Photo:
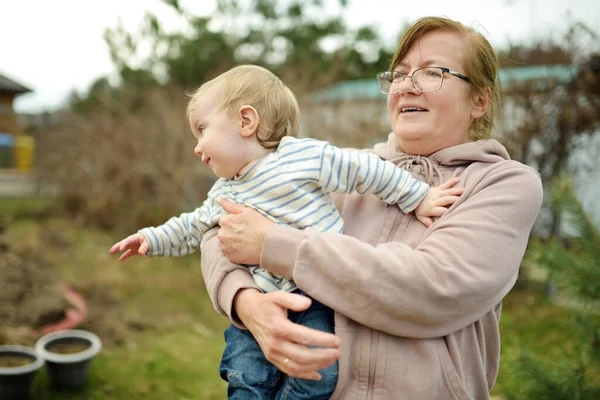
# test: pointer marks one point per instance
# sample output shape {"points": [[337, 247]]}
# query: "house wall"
{"points": [[351, 123], [8, 119]]}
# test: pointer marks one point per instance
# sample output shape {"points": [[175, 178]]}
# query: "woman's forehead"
{"points": [[435, 48]]}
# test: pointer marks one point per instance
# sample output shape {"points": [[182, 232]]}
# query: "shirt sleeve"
{"points": [[182, 235], [345, 171]]}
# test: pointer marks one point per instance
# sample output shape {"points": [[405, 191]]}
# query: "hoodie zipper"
{"points": [[374, 333], [373, 363]]}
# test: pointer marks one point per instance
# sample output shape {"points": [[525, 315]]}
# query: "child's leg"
{"points": [[318, 317], [245, 368]]}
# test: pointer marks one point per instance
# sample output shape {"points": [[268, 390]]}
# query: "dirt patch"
{"points": [[107, 317], [32, 297]]}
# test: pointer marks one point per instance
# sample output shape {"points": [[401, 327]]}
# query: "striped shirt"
{"points": [[291, 186]]}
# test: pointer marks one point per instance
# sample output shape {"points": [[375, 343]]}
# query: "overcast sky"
{"points": [[55, 46]]}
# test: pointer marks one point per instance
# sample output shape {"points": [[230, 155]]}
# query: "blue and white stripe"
{"points": [[291, 186]]}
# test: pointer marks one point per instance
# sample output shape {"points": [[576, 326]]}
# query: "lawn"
{"points": [[175, 350]]}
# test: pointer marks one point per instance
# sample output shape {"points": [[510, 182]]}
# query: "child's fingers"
{"points": [[449, 183], [144, 248], [427, 221], [115, 248], [452, 192], [446, 201], [129, 242], [436, 212], [126, 255]]}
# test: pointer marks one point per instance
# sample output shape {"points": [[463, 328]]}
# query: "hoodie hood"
{"points": [[487, 151]]}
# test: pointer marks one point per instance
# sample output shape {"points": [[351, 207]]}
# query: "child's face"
{"points": [[220, 143]]}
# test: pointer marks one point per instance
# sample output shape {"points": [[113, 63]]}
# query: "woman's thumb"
{"points": [[231, 207]]}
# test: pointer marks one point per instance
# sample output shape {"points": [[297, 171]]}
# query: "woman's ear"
{"points": [[249, 120], [481, 102]]}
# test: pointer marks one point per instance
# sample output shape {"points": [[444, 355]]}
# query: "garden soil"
{"points": [[32, 297]]}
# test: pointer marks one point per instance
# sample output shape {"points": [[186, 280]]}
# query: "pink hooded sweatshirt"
{"points": [[416, 308]]}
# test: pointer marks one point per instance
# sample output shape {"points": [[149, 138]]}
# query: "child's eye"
{"points": [[200, 130]]}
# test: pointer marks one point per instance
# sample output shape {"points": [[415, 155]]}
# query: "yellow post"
{"points": [[24, 153]]}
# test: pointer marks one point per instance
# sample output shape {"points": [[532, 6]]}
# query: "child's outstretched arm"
{"points": [[437, 200], [133, 244]]}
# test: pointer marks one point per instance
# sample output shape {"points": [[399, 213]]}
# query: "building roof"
{"points": [[12, 87], [368, 89]]}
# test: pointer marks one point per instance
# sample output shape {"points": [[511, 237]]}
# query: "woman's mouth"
{"points": [[405, 110]]}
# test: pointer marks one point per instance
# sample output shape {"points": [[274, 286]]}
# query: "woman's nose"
{"points": [[407, 86]]}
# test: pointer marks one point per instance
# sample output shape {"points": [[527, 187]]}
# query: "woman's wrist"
{"points": [[241, 301], [279, 250]]}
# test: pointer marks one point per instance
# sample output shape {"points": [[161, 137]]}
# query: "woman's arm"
{"points": [[462, 268], [233, 292], [222, 277]]}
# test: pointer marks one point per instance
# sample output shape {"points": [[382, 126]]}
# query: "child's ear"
{"points": [[249, 120]]}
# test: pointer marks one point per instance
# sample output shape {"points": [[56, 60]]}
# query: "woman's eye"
{"points": [[399, 76], [434, 73]]}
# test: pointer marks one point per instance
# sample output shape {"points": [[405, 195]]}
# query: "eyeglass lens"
{"points": [[424, 80]]}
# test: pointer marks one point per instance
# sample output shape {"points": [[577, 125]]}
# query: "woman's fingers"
{"points": [[231, 207], [311, 337], [304, 363], [294, 357], [298, 333], [297, 350]]}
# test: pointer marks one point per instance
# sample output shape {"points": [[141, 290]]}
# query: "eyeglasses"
{"points": [[425, 80]]}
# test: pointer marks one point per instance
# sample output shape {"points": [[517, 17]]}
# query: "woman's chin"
{"points": [[409, 135]]}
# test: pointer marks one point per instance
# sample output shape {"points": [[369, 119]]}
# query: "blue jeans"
{"points": [[251, 376]]}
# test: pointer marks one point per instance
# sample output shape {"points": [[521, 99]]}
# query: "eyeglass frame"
{"points": [[404, 76]]}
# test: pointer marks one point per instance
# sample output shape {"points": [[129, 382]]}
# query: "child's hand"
{"points": [[437, 201], [134, 244]]}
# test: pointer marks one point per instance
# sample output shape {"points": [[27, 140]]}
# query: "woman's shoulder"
{"points": [[503, 176]]}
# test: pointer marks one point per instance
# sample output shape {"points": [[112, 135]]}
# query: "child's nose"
{"points": [[198, 149]]}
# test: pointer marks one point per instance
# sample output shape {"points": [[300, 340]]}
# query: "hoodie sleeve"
{"points": [[223, 278], [462, 268]]}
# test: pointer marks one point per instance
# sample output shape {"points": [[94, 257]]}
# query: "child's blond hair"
{"points": [[260, 88]]}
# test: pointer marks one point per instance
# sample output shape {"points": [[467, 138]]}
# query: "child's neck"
{"points": [[253, 157]]}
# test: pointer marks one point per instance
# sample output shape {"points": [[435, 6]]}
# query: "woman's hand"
{"points": [[284, 343], [242, 233]]}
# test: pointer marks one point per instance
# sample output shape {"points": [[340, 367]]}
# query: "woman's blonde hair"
{"points": [[479, 61], [260, 88]]}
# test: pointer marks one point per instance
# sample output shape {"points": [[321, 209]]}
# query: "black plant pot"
{"points": [[68, 371], [15, 382]]}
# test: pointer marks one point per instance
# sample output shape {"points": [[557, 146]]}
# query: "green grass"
{"points": [[17, 208], [177, 355], [529, 321]]}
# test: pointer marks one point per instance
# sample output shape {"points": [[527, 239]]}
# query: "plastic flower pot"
{"points": [[18, 365], [68, 355]]}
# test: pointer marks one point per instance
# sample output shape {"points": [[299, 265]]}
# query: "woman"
{"points": [[416, 308]]}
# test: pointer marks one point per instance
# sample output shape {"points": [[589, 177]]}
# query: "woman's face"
{"points": [[435, 120]]}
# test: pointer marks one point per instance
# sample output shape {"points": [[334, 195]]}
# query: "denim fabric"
{"points": [[251, 376]]}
